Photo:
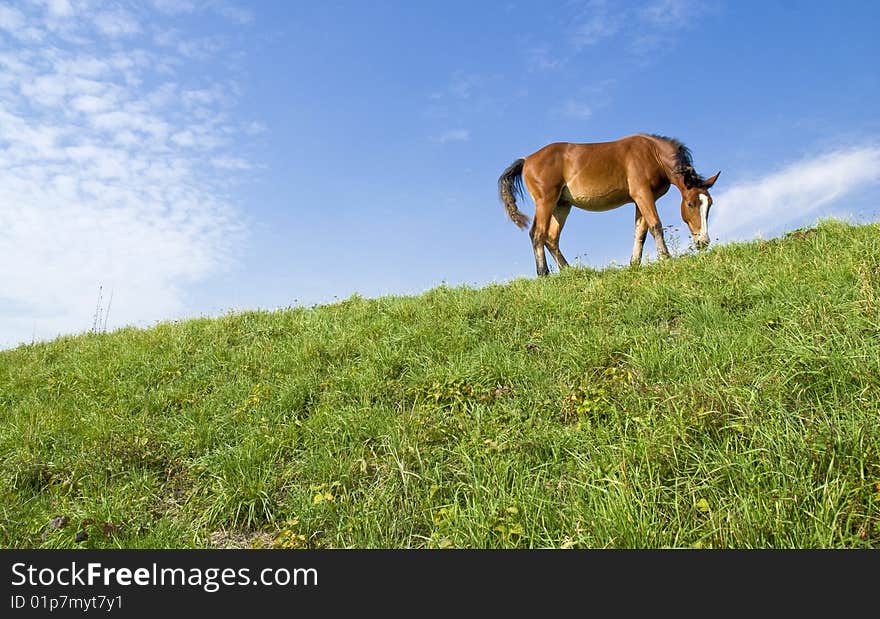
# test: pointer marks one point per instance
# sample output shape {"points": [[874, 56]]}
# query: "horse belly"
{"points": [[592, 200]]}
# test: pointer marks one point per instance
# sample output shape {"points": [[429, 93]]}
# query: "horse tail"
{"points": [[510, 185]]}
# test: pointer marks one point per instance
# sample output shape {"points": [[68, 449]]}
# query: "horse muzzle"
{"points": [[701, 240]]}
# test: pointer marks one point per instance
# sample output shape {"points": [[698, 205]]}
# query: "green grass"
{"points": [[727, 399]]}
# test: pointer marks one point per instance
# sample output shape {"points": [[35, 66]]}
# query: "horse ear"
{"points": [[711, 181]]}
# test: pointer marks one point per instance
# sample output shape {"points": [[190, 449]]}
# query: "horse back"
{"points": [[594, 176]]}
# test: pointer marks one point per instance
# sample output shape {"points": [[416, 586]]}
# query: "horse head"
{"points": [[695, 205]]}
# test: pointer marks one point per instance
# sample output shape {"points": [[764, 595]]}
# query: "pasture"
{"points": [[726, 399]]}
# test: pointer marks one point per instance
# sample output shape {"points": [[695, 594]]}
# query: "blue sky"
{"points": [[191, 157]]}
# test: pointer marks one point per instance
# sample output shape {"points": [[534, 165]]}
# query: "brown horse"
{"points": [[603, 176]]}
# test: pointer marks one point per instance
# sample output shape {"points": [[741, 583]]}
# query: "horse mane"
{"points": [[684, 162]]}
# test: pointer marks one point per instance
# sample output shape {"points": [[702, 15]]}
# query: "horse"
{"points": [[602, 176]]}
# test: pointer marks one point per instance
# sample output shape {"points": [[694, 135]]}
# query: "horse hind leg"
{"points": [[539, 233], [560, 214]]}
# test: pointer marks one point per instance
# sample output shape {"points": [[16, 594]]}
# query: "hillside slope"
{"points": [[728, 399]]}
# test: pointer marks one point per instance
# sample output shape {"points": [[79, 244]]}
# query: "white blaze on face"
{"points": [[704, 217]]}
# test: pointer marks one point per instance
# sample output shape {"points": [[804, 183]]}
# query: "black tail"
{"points": [[510, 185]]}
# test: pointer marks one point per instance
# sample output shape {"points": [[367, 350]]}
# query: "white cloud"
{"points": [[665, 13], [175, 7], [96, 189], [89, 104], [236, 14], [454, 135], [593, 22], [767, 205], [228, 11], [575, 109], [542, 59], [199, 48], [254, 128], [595, 30], [11, 19], [203, 96], [117, 24], [462, 84], [464, 94], [639, 30], [231, 163], [59, 8]]}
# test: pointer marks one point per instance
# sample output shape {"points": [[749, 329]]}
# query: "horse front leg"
{"points": [[648, 208], [641, 231]]}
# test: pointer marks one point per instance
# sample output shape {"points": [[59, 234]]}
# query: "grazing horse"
{"points": [[603, 176]]}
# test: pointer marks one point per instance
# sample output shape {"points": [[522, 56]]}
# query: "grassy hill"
{"points": [[729, 399]]}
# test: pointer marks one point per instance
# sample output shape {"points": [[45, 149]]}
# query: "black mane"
{"points": [[684, 163]]}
